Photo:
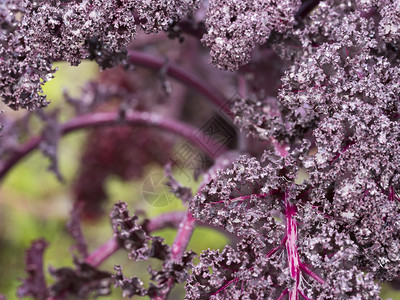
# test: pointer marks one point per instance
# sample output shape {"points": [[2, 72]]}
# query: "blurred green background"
{"points": [[34, 204]]}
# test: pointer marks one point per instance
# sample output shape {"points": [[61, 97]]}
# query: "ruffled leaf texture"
{"points": [[142, 246], [34, 34], [235, 27], [347, 238]]}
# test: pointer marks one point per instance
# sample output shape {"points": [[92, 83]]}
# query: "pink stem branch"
{"points": [[291, 248], [101, 119], [225, 286], [306, 270], [284, 293], [171, 220], [183, 236], [273, 250], [303, 295]]}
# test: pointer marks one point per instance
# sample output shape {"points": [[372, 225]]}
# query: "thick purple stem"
{"points": [[103, 252], [187, 78], [183, 236], [101, 119], [171, 219]]}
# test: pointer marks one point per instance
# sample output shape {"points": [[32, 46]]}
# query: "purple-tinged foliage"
{"points": [[120, 151], [35, 283], [238, 272], [11, 133], [156, 15], [76, 30], [134, 238], [85, 280], [81, 282], [129, 286], [51, 135], [234, 28], [252, 205], [75, 230], [34, 34], [23, 70], [172, 269], [176, 270], [181, 192], [314, 207]]}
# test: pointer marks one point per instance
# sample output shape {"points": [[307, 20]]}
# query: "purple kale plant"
{"points": [[300, 168]]}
